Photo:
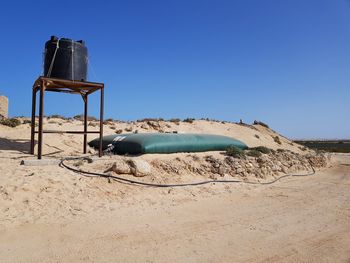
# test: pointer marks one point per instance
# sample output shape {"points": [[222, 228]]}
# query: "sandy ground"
{"points": [[49, 214], [296, 220]]}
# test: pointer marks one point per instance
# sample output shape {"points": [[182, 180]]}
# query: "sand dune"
{"points": [[50, 214]]}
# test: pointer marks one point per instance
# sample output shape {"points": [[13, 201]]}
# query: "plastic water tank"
{"points": [[65, 58]]}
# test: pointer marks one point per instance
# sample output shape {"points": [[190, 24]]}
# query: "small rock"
{"points": [[284, 169], [275, 168], [144, 126], [119, 131], [128, 129], [262, 159], [223, 171], [139, 168], [216, 165], [239, 170], [154, 125], [120, 167]]}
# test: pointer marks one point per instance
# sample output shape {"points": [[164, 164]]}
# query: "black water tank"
{"points": [[65, 59]]}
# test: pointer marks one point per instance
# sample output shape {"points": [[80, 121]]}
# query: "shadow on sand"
{"points": [[20, 145]]}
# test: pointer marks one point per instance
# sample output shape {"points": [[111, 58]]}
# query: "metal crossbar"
{"points": [[43, 84]]}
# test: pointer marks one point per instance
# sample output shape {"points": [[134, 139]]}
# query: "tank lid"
{"points": [[71, 40]]}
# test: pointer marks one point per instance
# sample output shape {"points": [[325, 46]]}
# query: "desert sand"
{"points": [[50, 214]]}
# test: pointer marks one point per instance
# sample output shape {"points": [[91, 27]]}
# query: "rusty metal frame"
{"points": [[43, 84]]}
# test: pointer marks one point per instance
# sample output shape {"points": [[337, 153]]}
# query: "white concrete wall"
{"points": [[4, 106]]}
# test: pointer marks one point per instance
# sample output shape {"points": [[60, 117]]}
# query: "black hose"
{"points": [[134, 182]]}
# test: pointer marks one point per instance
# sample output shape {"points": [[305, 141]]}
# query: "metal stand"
{"points": [[43, 84]]}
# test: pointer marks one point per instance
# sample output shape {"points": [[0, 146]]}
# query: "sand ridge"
{"points": [[50, 214]]}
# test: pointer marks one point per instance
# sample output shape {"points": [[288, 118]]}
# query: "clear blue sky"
{"points": [[286, 63]]}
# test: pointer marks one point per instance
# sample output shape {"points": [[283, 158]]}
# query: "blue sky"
{"points": [[286, 63]]}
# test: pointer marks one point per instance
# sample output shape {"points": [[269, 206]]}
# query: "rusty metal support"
{"points": [[43, 84], [101, 120], [41, 116], [85, 98], [32, 135]]}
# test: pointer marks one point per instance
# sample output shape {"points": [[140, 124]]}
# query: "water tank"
{"points": [[65, 58]]}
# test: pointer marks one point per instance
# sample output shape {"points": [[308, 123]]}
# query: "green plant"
{"points": [[260, 123], [189, 120], [175, 120], [150, 119], [12, 122], [254, 153], [303, 148], [277, 139], [57, 116], [235, 152], [81, 117], [261, 149], [27, 121]]}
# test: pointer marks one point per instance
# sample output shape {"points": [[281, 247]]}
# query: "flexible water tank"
{"points": [[65, 58]]}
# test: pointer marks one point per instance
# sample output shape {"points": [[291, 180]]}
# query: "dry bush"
{"points": [[12, 122], [260, 123], [277, 139], [189, 120]]}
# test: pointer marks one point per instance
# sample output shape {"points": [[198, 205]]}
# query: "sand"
{"points": [[49, 214]]}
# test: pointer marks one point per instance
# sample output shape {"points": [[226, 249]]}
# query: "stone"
{"points": [[118, 131], [144, 126], [128, 129], [120, 167], [139, 168], [223, 171], [230, 160], [263, 159], [154, 125], [216, 165], [4, 107], [284, 169], [239, 170], [275, 168]]}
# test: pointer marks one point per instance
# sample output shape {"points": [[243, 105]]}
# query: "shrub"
{"points": [[235, 152], [257, 136], [175, 120], [57, 116], [260, 123], [303, 148], [261, 149], [93, 124], [12, 122], [81, 118], [27, 121], [254, 153], [189, 120], [277, 139], [150, 119], [52, 122]]}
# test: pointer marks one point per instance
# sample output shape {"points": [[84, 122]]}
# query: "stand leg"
{"points": [[101, 121], [41, 116], [85, 98], [32, 134]]}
